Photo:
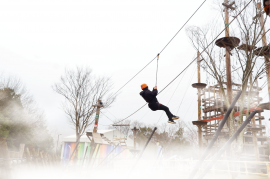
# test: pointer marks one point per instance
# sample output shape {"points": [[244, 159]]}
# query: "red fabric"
{"points": [[235, 114]]}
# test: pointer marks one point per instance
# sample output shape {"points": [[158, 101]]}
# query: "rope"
{"points": [[157, 68], [175, 91], [191, 61], [106, 116], [111, 113], [185, 92], [163, 48]]}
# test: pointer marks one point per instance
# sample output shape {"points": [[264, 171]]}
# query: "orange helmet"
{"points": [[143, 86]]}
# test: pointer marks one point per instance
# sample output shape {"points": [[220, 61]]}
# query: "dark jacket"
{"points": [[150, 97]]}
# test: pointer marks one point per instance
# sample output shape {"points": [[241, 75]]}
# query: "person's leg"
{"points": [[167, 110], [153, 106]]}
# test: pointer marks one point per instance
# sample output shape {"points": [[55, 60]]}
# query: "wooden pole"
{"points": [[264, 43], [134, 134], [228, 61], [99, 105], [199, 105], [92, 144], [255, 142]]}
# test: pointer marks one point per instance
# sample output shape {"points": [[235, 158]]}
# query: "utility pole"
{"points": [[134, 134], [264, 43], [92, 144], [199, 103], [99, 105]]}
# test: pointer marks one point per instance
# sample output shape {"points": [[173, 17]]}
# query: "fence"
{"points": [[25, 158]]}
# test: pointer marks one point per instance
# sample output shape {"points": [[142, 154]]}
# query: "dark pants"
{"points": [[158, 106]]}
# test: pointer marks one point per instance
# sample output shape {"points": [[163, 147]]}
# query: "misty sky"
{"points": [[115, 38]]}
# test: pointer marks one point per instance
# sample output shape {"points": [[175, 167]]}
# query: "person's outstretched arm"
{"points": [[155, 91]]}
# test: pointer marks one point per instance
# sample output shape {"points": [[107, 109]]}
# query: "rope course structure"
{"points": [[235, 17]]}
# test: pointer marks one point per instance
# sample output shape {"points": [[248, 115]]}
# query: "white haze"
{"points": [[147, 167]]}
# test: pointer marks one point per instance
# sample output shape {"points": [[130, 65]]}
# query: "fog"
{"points": [[149, 166]]}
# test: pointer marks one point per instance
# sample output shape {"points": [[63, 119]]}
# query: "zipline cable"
{"points": [[163, 47], [157, 68], [111, 113], [191, 61], [106, 116], [175, 91], [185, 93]]}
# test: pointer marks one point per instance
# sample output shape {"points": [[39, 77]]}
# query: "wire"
{"points": [[175, 91], [180, 82], [157, 68], [189, 107], [110, 113], [190, 62], [163, 47], [106, 116], [185, 93], [182, 26]]}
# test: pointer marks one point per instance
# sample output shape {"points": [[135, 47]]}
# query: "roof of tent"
{"points": [[72, 138]]}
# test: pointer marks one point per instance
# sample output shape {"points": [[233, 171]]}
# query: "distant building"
{"points": [[110, 139]]}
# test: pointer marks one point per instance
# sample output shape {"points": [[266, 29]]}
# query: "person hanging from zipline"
{"points": [[153, 104]]}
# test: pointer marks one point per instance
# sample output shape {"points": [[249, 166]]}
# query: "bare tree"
{"points": [[246, 68], [81, 90]]}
